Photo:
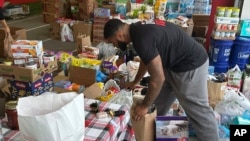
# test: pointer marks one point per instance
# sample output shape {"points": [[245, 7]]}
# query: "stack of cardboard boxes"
{"points": [[53, 9], [201, 23], [86, 9], [16, 33]]}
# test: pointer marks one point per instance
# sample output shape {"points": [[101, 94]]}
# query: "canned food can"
{"points": [[220, 11], [232, 34], [217, 34], [31, 65], [48, 58], [234, 27], [222, 34], [235, 12], [228, 12], [227, 34]]}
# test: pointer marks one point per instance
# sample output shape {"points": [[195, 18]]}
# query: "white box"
{"points": [[13, 11], [23, 48], [226, 20]]}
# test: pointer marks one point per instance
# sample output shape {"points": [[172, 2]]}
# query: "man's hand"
{"points": [[7, 30], [139, 112], [130, 85]]}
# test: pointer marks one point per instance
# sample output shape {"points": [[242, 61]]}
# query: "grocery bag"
{"points": [[51, 117], [216, 91], [83, 41], [7, 45], [145, 128]]}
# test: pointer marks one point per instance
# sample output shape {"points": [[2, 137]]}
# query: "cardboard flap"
{"points": [[82, 76], [93, 91]]}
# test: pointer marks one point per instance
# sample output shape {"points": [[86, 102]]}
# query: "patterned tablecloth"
{"points": [[106, 129]]}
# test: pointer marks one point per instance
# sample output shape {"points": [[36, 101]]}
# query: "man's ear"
{"points": [[119, 35]]}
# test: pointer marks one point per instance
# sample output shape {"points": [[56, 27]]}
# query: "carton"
{"points": [[200, 31], [51, 17], [244, 28], [201, 20], [81, 76], [21, 88], [82, 28], [54, 7], [17, 33], [19, 50], [26, 74], [189, 29], [226, 20]]}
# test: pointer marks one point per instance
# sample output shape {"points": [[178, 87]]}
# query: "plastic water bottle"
{"points": [[1, 131]]}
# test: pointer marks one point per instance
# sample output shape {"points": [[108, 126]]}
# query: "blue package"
{"points": [[62, 84], [241, 121], [224, 132], [246, 115]]}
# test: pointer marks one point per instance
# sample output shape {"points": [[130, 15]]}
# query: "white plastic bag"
{"points": [[51, 117], [124, 97], [234, 103], [66, 33], [106, 50]]}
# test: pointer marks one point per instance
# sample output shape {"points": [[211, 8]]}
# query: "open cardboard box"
{"points": [[189, 29], [81, 76], [26, 74]]}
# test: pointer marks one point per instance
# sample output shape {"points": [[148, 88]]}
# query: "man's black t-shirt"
{"points": [[179, 52]]}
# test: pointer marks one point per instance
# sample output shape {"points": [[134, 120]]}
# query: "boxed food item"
{"points": [[21, 88], [227, 20], [244, 28], [172, 128], [21, 48]]}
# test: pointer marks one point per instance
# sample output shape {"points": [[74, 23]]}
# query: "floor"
{"points": [[36, 29]]}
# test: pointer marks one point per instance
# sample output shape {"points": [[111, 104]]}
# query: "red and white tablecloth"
{"points": [[106, 129]]}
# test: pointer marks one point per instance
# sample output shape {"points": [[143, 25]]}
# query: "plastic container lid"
{"points": [[11, 105], [242, 39]]}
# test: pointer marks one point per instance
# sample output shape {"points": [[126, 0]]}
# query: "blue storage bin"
{"points": [[220, 50], [240, 52]]}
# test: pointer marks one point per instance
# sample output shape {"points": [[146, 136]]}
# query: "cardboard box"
{"points": [[87, 79], [244, 28], [201, 20], [55, 30], [21, 88], [54, 7], [51, 17], [200, 31], [81, 28], [26, 74], [172, 128], [102, 12], [88, 76], [189, 29], [33, 48], [15, 10], [110, 7], [16, 33]]}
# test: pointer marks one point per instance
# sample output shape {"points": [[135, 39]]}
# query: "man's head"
{"points": [[117, 32]]}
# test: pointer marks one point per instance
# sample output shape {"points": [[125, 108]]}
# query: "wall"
{"points": [[245, 10]]}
